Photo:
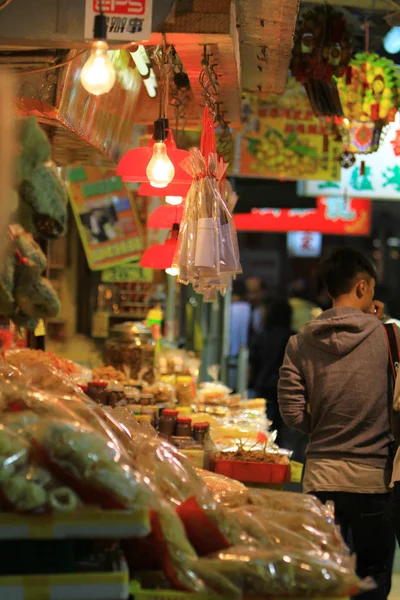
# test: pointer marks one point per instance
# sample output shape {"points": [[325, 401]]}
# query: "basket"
{"points": [[253, 472]]}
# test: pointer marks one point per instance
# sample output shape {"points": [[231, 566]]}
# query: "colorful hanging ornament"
{"points": [[347, 159], [322, 49], [369, 102], [396, 143]]}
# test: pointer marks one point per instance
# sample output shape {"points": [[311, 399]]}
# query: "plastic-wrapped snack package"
{"points": [[287, 501], [319, 531], [207, 524], [76, 446], [229, 492], [279, 573], [90, 463], [270, 533], [24, 486], [165, 548]]}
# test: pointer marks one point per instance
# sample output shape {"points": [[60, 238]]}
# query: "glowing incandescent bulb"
{"points": [[98, 73], [174, 200], [160, 170], [173, 271]]}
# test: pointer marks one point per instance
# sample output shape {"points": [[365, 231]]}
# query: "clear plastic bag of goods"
{"points": [[207, 254], [269, 533], [281, 572], [166, 548], [73, 444], [207, 524], [320, 530], [18, 358], [227, 491]]}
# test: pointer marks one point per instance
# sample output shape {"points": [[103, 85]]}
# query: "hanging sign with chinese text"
{"points": [[285, 143], [334, 216], [127, 20], [107, 222], [375, 176]]}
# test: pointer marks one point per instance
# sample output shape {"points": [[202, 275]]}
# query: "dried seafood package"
{"points": [[207, 254], [69, 456]]}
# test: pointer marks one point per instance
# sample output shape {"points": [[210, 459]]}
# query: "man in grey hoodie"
{"points": [[334, 388]]}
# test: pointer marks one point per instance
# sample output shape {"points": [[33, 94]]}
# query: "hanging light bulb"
{"points": [[174, 200], [98, 73], [173, 271], [160, 170]]}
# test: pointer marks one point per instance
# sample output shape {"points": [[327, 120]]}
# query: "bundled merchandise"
{"points": [[60, 452], [207, 254], [40, 210]]}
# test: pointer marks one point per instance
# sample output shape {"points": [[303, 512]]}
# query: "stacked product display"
{"points": [[71, 468]]}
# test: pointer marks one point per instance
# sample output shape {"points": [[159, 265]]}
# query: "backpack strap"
{"points": [[393, 348]]}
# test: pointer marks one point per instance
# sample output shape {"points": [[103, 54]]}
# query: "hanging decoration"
{"points": [[180, 95], [370, 101], [322, 50], [207, 253]]}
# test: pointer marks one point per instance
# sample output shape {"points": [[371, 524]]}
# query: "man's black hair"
{"points": [[341, 271], [239, 288]]}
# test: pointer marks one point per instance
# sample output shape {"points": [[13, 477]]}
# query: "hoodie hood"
{"points": [[339, 330]]}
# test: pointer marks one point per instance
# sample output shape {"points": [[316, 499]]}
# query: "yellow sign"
{"points": [[109, 227], [128, 273], [296, 471], [286, 143]]}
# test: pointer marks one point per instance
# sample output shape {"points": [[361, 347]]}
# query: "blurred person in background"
{"points": [[266, 356], [239, 328], [256, 294], [304, 309]]}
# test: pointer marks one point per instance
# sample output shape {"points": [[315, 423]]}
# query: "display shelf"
{"points": [[88, 524], [138, 593], [74, 586]]}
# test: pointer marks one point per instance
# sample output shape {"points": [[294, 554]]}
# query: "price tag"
{"points": [[296, 471], [40, 329]]}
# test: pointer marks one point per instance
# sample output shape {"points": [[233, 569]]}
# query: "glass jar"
{"points": [[184, 427], [130, 349], [200, 432], [167, 422]]}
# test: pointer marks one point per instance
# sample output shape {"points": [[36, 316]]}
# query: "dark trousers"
{"points": [[395, 509], [365, 525]]}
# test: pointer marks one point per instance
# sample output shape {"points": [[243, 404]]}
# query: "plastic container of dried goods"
{"points": [[130, 349]]}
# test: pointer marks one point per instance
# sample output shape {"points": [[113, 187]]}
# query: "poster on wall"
{"points": [[284, 141], [127, 20], [333, 216], [108, 225], [377, 178]]}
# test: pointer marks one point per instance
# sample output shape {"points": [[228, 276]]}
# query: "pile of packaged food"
{"points": [[60, 451]]}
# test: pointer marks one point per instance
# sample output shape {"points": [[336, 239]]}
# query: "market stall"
{"points": [[99, 485]]}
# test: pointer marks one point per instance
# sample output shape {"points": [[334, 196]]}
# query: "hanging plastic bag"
{"points": [[207, 254]]}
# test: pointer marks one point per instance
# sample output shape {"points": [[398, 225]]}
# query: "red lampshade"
{"points": [[165, 216], [172, 189], [132, 166], [160, 256]]}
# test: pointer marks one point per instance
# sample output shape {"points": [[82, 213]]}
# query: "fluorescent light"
{"points": [[141, 61]]}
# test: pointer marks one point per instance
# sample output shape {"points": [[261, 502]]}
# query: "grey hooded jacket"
{"points": [[334, 386]]}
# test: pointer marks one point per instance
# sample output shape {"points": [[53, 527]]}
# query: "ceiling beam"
{"points": [[379, 5]]}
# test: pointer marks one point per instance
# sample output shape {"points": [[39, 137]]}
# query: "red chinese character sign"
{"points": [[333, 216], [127, 20], [108, 224]]}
